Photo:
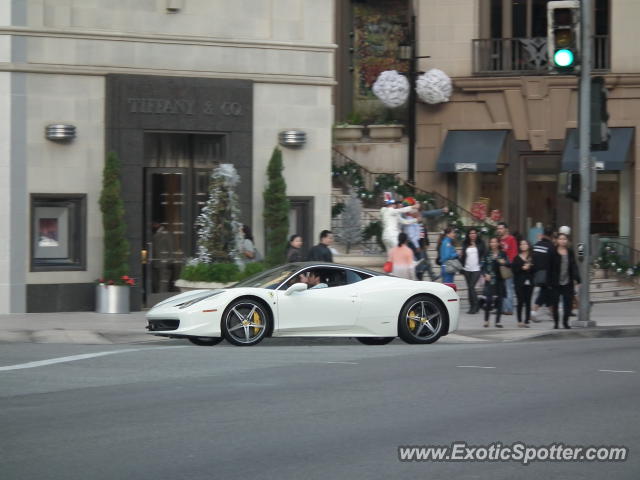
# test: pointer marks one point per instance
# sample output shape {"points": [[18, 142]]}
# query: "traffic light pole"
{"points": [[586, 170]]}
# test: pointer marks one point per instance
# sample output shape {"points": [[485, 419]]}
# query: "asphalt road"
{"points": [[311, 411]]}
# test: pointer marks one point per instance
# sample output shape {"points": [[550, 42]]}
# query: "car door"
{"points": [[317, 311]]}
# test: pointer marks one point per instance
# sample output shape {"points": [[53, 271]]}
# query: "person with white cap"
{"points": [[565, 229]]}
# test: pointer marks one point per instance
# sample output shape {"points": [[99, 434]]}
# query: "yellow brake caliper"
{"points": [[412, 322], [257, 321]]}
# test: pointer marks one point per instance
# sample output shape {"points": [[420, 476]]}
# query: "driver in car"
{"points": [[313, 280]]}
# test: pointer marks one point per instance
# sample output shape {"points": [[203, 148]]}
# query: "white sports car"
{"points": [[372, 307]]}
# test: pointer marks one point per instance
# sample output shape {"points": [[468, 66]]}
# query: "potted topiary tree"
{"points": [[276, 211], [114, 288]]}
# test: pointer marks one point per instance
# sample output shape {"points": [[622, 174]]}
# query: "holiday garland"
{"points": [[350, 174], [609, 259]]}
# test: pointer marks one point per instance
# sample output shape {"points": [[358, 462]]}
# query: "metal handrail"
{"points": [[434, 199], [629, 255]]}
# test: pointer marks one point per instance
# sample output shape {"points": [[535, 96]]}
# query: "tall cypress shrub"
{"points": [[276, 211], [116, 246]]}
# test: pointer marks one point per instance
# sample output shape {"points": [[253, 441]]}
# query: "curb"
{"points": [[597, 332]]}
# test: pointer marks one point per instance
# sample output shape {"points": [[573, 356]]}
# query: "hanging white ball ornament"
{"points": [[391, 88], [434, 87]]}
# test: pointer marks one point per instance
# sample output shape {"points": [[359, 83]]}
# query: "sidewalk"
{"points": [[612, 319]]}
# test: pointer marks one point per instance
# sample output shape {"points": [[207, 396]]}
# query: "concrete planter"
{"points": [[348, 133], [112, 298], [186, 286], [385, 132]]}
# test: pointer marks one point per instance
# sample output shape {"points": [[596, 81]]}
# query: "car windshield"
{"points": [[269, 279]]}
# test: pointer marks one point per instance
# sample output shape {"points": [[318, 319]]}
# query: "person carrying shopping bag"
{"points": [[448, 256], [494, 283]]}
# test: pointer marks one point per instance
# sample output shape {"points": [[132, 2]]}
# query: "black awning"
{"points": [[612, 159], [471, 151]]}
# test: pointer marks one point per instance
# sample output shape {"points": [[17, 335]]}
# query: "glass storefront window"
{"points": [[492, 188], [58, 232], [605, 205]]}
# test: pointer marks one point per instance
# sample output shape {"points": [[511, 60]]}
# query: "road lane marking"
{"points": [[618, 371], [472, 366], [345, 363], [74, 358]]}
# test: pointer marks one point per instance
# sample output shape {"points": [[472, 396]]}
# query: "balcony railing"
{"points": [[526, 56]]}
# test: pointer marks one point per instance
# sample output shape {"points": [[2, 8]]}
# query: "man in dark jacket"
{"points": [[322, 252], [543, 252]]}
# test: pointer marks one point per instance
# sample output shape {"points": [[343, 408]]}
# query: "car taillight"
{"points": [[452, 285]]}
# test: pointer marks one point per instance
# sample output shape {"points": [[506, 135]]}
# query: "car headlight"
{"points": [[196, 300]]}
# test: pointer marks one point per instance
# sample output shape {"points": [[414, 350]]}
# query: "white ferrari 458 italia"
{"points": [[344, 301]]}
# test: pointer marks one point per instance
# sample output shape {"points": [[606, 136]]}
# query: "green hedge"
{"points": [[220, 272]]}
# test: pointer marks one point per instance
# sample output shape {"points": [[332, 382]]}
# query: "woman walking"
{"points": [[294, 249], [473, 250], [248, 249], [523, 280], [564, 277], [447, 251], [401, 258], [494, 284]]}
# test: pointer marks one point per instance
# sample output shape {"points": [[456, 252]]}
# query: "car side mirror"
{"points": [[296, 287]]}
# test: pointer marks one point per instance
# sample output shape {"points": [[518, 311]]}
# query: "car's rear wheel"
{"points": [[245, 322], [421, 320], [375, 340], [205, 341]]}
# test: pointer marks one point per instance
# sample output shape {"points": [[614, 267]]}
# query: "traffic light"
{"points": [[599, 130], [563, 35]]}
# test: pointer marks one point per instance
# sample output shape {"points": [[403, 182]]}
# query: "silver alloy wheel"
{"points": [[424, 319], [246, 322]]}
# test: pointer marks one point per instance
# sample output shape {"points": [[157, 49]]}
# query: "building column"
{"points": [[14, 208], [467, 189]]}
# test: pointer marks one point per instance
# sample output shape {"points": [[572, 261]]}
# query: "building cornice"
{"points": [[163, 38], [102, 71], [488, 84]]}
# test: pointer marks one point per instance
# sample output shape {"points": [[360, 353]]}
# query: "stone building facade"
{"points": [[173, 87], [496, 55]]}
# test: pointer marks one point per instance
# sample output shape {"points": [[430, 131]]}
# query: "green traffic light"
{"points": [[563, 58]]}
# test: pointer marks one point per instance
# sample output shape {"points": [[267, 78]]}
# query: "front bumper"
{"points": [[168, 321]]}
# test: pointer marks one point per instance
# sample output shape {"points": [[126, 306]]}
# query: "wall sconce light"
{"points": [[174, 6], [60, 132], [292, 138]]}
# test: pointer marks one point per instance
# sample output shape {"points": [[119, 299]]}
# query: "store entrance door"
{"points": [[166, 213], [544, 204]]}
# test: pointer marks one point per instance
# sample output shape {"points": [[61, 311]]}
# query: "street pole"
{"points": [[411, 128], [586, 170]]}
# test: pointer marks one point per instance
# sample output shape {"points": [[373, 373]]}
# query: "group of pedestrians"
{"points": [[406, 238], [321, 252], [512, 268]]}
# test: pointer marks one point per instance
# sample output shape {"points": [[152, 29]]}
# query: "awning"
{"points": [[471, 151], [612, 159]]}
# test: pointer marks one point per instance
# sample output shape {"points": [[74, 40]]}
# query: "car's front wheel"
{"points": [[205, 341], [245, 322], [375, 340], [422, 320]]}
